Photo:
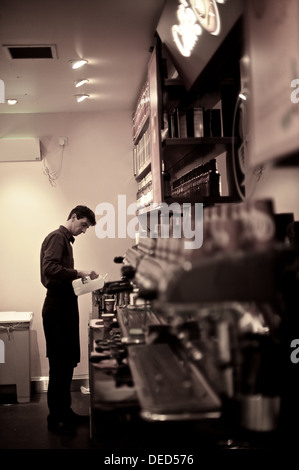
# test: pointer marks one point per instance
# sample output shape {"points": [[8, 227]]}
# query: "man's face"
{"points": [[79, 225]]}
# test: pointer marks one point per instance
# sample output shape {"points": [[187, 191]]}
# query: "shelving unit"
{"points": [[179, 154]]}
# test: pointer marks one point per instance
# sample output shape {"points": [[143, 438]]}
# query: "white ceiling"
{"points": [[113, 35]]}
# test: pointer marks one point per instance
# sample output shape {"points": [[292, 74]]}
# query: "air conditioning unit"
{"points": [[20, 149]]}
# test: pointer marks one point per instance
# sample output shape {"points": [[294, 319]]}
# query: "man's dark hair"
{"points": [[83, 211]]}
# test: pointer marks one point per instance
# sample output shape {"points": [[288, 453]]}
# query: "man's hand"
{"points": [[91, 274]]}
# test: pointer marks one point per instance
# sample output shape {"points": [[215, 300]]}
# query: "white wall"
{"points": [[97, 166]]}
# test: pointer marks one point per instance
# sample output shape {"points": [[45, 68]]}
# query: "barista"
{"points": [[61, 316]]}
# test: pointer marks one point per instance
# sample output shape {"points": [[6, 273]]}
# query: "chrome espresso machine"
{"points": [[203, 336]]}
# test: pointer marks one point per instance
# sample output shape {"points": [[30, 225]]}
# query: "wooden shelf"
{"points": [[180, 152], [206, 201], [173, 82], [212, 146]]}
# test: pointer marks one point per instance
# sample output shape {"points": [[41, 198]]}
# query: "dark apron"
{"points": [[61, 324]]}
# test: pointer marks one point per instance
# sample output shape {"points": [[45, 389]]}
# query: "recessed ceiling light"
{"points": [[76, 64], [81, 97], [11, 101], [80, 82]]}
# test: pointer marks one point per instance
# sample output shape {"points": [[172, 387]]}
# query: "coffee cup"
{"points": [[109, 305]]}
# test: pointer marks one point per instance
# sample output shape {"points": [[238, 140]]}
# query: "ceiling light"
{"points": [[11, 101], [76, 64], [80, 82], [81, 97]]}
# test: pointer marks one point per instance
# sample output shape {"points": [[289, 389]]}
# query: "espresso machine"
{"points": [[207, 332]]}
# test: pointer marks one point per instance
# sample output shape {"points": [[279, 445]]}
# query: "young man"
{"points": [[61, 316]]}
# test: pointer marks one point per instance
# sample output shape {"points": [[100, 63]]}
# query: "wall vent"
{"points": [[31, 51]]}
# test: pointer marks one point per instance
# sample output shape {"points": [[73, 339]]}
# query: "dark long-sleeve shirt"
{"points": [[56, 259]]}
